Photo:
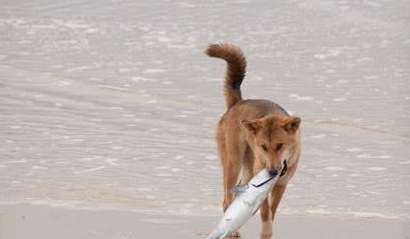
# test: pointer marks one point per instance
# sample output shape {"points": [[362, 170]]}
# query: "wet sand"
{"points": [[36, 221], [113, 105]]}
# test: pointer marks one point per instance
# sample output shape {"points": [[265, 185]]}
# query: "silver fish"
{"points": [[246, 203]]}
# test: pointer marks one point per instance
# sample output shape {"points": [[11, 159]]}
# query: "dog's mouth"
{"points": [[273, 172], [285, 168]]}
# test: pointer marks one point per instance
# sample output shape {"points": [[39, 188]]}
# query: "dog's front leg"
{"points": [[276, 195], [268, 210], [266, 218]]}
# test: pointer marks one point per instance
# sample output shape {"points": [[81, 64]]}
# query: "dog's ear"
{"points": [[252, 126], [292, 124]]}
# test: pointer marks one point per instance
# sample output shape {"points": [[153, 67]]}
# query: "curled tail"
{"points": [[235, 71]]}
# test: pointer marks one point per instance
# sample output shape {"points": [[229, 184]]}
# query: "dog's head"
{"points": [[271, 138]]}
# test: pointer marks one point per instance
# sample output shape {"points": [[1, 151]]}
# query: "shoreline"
{"points": [[44, 221]]}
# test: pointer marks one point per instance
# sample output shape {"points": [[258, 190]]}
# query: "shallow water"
{"points": [[113, 103]]}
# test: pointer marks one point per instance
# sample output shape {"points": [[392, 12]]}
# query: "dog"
{"points": [[251, 135]]}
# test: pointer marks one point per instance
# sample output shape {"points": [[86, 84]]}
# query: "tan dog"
{"points": [[253, 134]]}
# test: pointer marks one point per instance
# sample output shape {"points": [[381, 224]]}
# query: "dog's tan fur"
{"points": [[253, 134]]}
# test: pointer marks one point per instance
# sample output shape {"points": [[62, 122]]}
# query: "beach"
{"points": [[39, 221], [108, 113]]}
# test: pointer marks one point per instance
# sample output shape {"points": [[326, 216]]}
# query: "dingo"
{"points": [[253, 134]]}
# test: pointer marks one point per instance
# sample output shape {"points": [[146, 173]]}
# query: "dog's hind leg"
{"points": [[232, 165], [232, 153], [247, 166]]}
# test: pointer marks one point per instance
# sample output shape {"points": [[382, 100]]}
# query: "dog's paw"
{"points": [[266, 232], [234, 235], [267, 235]]}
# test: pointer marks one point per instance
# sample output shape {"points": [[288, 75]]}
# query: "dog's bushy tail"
{"points": [[235, 71]]}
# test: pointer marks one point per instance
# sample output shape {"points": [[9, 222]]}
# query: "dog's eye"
{"points": [[264, 147], [279, 147]]}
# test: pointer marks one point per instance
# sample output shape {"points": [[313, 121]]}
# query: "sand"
{"points": [[36, 221], [113, 105]]}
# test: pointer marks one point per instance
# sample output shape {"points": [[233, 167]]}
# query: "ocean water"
{"points": [[114, 104]]}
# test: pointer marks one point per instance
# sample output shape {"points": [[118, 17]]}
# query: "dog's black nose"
{"points": [[273, 172]]}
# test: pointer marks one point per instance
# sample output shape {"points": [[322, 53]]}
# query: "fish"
{"points": [[248, 200]]}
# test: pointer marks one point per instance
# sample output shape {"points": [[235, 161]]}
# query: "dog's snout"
{"points": [[273, 172]]}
